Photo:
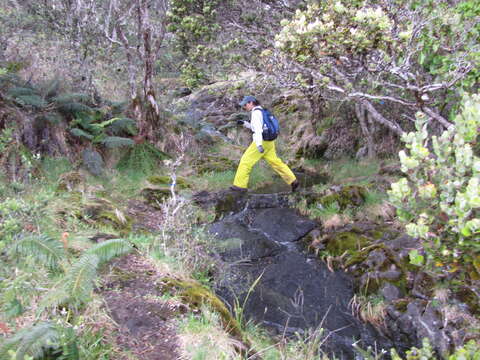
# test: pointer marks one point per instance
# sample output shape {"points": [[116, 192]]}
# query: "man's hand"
{"points": [[260, 149], [240, 122]]}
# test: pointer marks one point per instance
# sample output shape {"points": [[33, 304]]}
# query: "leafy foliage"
{"points": [[107, 250], [116, 141], [43, 249], [470, 351], [439, 199], [141, 159], [33, 341], [40, 341], [76, 287]]}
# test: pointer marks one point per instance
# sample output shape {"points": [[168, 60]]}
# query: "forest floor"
{"points": [[147, 320]]}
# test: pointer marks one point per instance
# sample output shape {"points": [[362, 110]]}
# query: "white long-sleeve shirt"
{"points": [[256, 125]]}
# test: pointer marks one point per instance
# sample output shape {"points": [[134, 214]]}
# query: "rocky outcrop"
{"points": [[275, 283]]}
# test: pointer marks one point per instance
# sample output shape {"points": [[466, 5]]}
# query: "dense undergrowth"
{"points": [[51, 266]]}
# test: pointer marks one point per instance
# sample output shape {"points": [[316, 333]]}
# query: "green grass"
{"points": [[202, 337], [350, 169], [52, 168]]}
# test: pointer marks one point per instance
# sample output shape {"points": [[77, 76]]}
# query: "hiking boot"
{"points": [[295, 185], [238, 189]]}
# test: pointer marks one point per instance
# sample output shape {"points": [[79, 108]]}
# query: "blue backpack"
{"points": [[270, 125]]}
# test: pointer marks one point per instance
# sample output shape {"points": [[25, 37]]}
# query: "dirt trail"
{"points": [[146, 322]]}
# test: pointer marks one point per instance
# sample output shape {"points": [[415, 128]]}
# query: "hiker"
{"points": [[259, 148]]}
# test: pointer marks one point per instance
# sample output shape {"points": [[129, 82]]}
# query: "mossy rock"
{"points": [[215, 164], [352, 195], [195, 294], [155, 195], [106, 213], [230, 202], [181, 182], [469, 297], [347, 241], [71, 181]]}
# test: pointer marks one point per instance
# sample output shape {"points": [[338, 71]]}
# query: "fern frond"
{"points": [[116, 141], [81, 133], [109, 249], [52, 118], [31, 100], [33, 341], [70, 98], [41, 248], [52, 89], [141, 158], [54, 299], [118, 107], [80, 278], [10, 79], [123, 125], [21, 91], [73, 108]]}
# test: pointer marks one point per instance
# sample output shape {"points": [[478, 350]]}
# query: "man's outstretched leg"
{"points": [[279, 166], [249, 158]]}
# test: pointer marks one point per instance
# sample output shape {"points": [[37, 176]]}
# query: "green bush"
{"points": [[439, 199]]}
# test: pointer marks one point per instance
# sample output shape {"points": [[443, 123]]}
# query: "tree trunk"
{"points": [[362, 116], [151, 115]]}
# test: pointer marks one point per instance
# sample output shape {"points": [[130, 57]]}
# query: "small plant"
{"points": [[469, 351], [439, 198], [76, 287]]}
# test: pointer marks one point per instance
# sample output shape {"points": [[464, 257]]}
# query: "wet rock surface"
{"points": [[276, 283]]}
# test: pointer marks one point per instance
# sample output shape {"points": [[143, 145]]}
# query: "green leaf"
{"points": [[415, 258], [116, 141], [33, 341], [109, 249], [81, 133]]}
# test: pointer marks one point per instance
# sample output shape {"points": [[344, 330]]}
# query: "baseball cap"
{"points": [[247, 99]]}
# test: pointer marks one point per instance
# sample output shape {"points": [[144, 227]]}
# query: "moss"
{"points": [[346, 241], [155, 195], [214, 164], [181, 182], [195, 294], [360, 256], [104, 212], [71, 181], [401, 305], [230, 202], [349, 195], [469, 297]]}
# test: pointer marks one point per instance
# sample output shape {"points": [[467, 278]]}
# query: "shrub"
{"points": [[439, 199]]}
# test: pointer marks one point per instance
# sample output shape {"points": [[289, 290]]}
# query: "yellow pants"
{"points": [[251, 156]]}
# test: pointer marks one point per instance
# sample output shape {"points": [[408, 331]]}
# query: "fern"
{"points": [[21, 91], [73, 108], [80, 278], [53, 118], [109, 249], [58, 297], [41, 248], [70, 98], [141, 158], [33, 341], [77, 285], [118, 107], [123, 125], [116, 141], [31, 100], [10, 79], [81, 133], [51, 89]]}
